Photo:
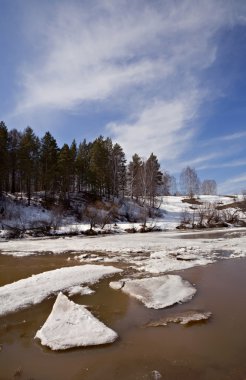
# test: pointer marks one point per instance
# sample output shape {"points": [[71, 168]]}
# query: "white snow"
{"points": [[155, 252], [170, 206], [32, 290], [159, 292], [72, 325], [116, 243], [19, 215]]}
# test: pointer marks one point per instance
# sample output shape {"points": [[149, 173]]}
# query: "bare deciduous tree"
{"points": [[189, 181], [209, 187]]}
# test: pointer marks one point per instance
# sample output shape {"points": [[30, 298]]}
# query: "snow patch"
{"points": [[72, 325]]}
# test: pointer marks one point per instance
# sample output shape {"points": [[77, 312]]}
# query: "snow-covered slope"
{"points": [[20, 216]]}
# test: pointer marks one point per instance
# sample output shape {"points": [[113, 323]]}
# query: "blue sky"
{"points": [[157, 76]]}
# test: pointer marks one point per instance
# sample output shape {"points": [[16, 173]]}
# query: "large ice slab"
{"points": [[32, 290], [72, 325], [158, 292]]}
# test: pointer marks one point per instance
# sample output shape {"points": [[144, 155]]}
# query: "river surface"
{"points": [[213, 350]]}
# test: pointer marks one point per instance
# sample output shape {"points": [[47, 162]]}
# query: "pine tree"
{"points": [[153, 178], [64, 170], [73, 173], [134, 177], [83, 166], [118, 163], [14, 138], [100, 166], [48, 164], [29, 161], [3, 156]]}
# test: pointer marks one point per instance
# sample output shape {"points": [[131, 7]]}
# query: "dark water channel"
{"points": [[214, 350]]}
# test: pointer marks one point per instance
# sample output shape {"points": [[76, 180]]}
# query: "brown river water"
{"points": [[212, 350]]}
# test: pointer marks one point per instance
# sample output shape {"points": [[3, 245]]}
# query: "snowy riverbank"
{"points": [[139, 257]]}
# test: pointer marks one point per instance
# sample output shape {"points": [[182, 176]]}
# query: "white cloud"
{"points": [[147, 54], [234, 136], [53, 92], [90, 52], [159, 128]]}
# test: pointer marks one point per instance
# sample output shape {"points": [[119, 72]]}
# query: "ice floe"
{"points": [[184, 318], [117, 285], [163, 263], [72, 325], [157, 292], [34, 289], [128, 244]]}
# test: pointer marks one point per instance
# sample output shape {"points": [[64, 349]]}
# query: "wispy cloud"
{"points": [[228, 164], [148, 55], [199, 162], [232, 185], [158, 128], [226, 138], [233, 136], [89, 52]]}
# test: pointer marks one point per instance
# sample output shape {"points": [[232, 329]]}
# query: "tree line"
{"points": [[29, 164]]}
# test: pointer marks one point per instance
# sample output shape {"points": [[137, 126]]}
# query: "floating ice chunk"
{"points": [[156, 375], [72, 325], [187, 256], [183, 318], [82, 290], [35, 289], [116, 285], [168, 264], [160, 292]]}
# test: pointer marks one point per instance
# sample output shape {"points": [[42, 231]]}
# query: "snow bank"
{"points": [[72, 325], [158, 292], [35, 289]]}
